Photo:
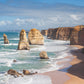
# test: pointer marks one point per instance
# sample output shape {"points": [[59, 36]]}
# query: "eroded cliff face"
{"points": [[6, 41], [50, 33], [77, 35], [23, 43], [81, 37], [35, 37], [60, 33], [74, 34], [44, 32]]}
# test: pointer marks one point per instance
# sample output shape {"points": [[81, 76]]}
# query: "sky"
{"points": [[40, 14]]}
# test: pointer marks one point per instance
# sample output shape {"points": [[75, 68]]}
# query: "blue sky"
{"points": [[40, 14]]}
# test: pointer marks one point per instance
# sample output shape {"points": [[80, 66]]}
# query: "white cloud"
{"points": [[2, 23], [75, 17]]}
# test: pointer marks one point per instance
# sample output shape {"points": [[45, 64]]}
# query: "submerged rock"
{"points": [[35, 37], [23, 43], [14, 61], [6, 41], [14, 73], [26, 72], [43, 55]]}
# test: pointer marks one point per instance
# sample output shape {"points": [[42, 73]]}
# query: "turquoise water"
{"points": [[25, 59], [30, 60]]}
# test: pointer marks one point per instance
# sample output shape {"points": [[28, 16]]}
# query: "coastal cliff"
{"points": [[74, 34], [35, 37], [63, 33], [44, 32], [77, 36]]}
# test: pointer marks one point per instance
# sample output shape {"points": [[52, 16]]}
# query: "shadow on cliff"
{"points": [[78, 68]]}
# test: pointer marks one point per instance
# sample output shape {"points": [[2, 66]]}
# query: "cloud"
{"points": [[75, 17], [43, 22], [3, 23]]}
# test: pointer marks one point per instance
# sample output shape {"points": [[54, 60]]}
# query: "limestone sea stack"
{"points": [[23, 43], [35, 37], [43, 55], [6, 41]]}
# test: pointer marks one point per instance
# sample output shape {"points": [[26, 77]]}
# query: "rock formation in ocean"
{"points": [[23, 43], [6, 41], [77, 35], [43, 55], [44, 32], [14, 73], [35, 37], [26, 72]]}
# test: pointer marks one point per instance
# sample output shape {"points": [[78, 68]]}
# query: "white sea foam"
{"points": [[36, 79], [14, 39], [10, 44]]}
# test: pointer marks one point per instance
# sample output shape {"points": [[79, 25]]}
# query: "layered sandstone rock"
{"points": [[50, 33], [81, 37], [60, 33], [44, 32], [64, 33], [23, 43], [77, 35], [35, 37], [6, 41], [43, 55]]}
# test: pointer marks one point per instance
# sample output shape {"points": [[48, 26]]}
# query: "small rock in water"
{"points": [[43, 55], [26, 72], [14, 61]]}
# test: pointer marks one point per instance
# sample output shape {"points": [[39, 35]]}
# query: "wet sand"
{"points": [[76, 72], [57, 77]]}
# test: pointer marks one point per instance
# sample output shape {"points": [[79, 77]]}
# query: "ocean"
{"points": [[57, 50]]}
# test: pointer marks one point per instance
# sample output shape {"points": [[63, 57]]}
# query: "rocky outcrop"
{"points": [[23, 43], [35, 37], [77, 35], [26, 72], [44, 32], [43, 55], [14, 73], [6, 41]]}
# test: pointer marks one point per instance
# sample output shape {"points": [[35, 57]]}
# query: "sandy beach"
{"points": [[74, 74]]}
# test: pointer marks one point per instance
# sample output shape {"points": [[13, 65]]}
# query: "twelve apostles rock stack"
{"points": [[6, 41], [35, 37], [23, 43]]}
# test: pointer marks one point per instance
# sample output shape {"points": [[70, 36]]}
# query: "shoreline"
{"points": [[74, 75], [77, 70]]}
